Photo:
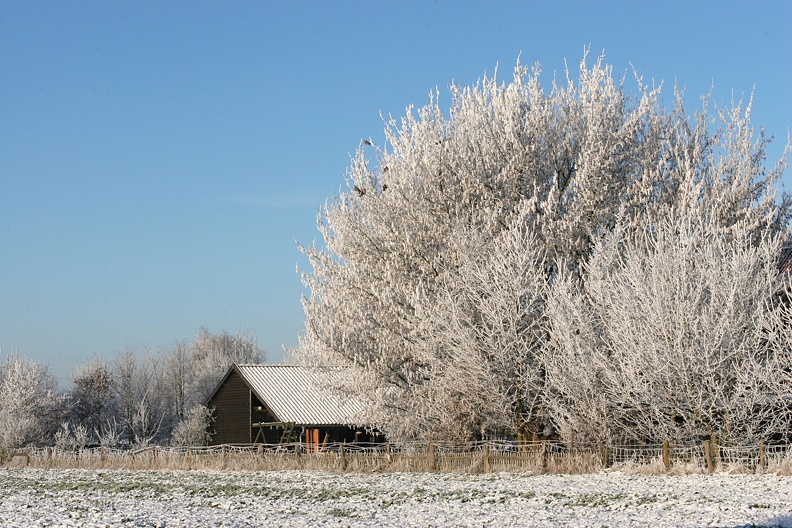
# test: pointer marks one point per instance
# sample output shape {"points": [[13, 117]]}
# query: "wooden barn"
{"points": [[274, 404]]}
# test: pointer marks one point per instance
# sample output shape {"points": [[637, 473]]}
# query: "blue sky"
{"points": [[158, 160]]}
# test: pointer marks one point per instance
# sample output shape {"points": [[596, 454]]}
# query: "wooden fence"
{"points": [[482, 457]]}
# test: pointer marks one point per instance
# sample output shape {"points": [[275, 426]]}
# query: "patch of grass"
{"points": [[341, 512], [594, 500], [645, 499]]}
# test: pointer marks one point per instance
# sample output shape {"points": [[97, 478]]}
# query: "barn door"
{"points": [[312, 440]]}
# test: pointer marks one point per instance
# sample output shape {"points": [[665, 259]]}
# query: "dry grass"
{"points": [[655, 467], [690, 467], [575, 463], [534, 459], [781, 466]]}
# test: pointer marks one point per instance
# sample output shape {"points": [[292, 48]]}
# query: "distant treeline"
{"points": [[135, 398]]}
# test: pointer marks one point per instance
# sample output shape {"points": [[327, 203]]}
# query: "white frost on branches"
{"points": [[28, 401], [469, 262], [670, 338], [194, 429]]}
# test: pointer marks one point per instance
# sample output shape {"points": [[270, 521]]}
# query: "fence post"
{"points": [[486, 458], [261, 456], [189, 459], [762, 460], [154, 462], [431, 456], [667, 454], [388, 456], [102, 457], [224, 450], [342, 454], [604, 454], [708, 456], [543, 455]]}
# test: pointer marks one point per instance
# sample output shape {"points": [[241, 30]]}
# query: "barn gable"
{"points": [[233, 397]]}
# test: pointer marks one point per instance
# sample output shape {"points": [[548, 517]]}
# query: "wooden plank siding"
{"points": [[232, 424]]}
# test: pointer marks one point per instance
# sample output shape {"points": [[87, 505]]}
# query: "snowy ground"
{"points": [[41, 497]]}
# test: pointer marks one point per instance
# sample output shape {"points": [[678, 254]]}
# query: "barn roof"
{"points": [[297, 394]]}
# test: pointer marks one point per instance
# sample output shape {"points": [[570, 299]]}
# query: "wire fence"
{"points": [[480, 457]]}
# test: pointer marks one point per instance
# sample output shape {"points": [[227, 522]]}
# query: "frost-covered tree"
{"points": [[486, 337], [176, 367], [140, 397], [210, 356], [408, 287], [29, 402]]}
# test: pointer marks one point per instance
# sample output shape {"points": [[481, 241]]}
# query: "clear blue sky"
{"points": [[159, 159]]}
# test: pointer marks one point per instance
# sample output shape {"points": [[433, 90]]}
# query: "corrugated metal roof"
{"points": [[298, 394]]}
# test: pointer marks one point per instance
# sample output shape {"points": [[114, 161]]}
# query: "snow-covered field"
{"points": [[41, 497]]}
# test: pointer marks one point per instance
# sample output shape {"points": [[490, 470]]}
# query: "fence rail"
{"points": [[482, 457]]}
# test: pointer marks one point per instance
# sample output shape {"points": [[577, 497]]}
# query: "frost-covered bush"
{"points": [[109, 433], [71, 437], [194, 429]]}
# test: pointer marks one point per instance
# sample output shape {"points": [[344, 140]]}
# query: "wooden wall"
{"points": [[232, 412]]}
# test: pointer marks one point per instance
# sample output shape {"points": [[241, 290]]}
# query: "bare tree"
{"points": [[91, 397]]}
